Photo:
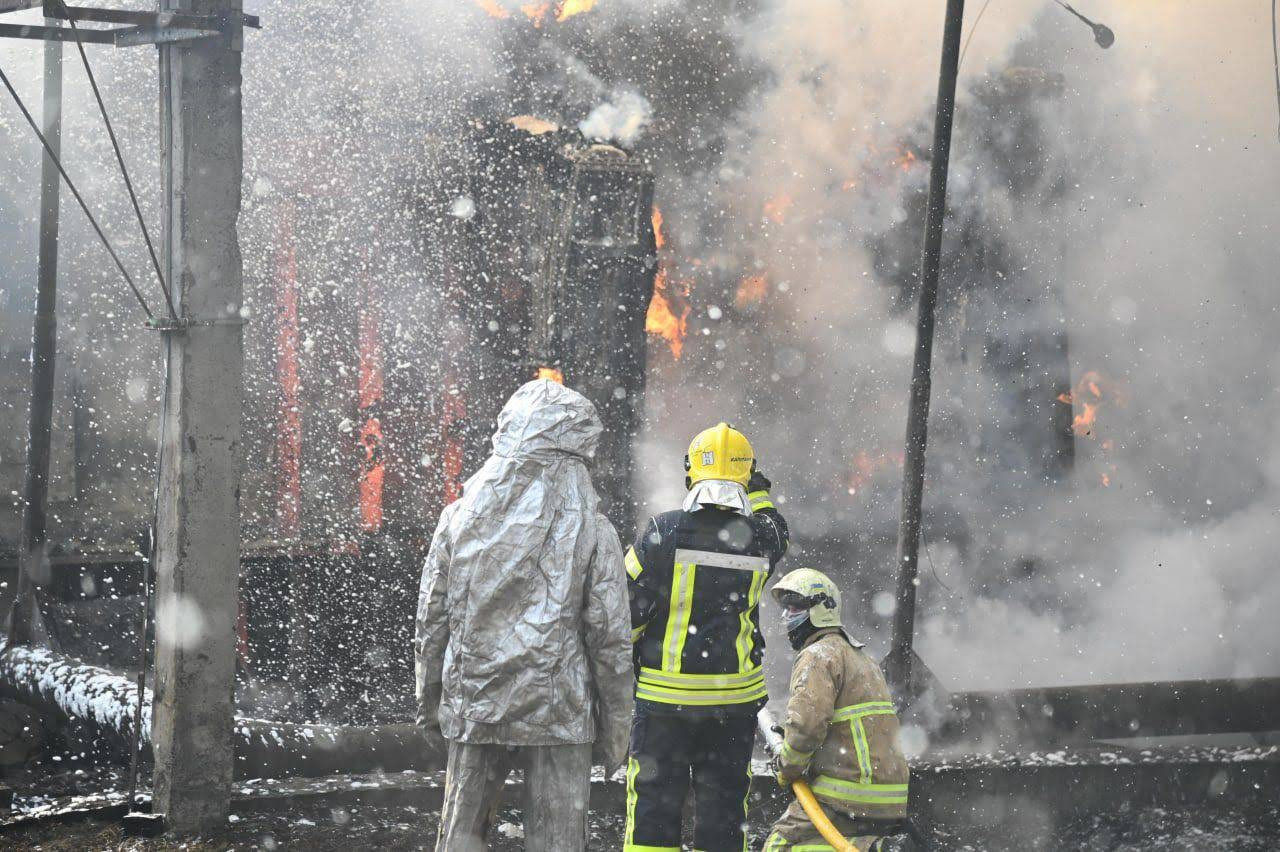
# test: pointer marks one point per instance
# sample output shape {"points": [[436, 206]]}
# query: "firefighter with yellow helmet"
{"points": [[841, 732], [695, 577]]}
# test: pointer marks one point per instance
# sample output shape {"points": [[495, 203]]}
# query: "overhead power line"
{"points": [[75, 192], [1275, 58], [124, 172]]}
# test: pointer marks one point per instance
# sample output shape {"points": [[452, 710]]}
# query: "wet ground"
{"points": [[324, 827], [399, 811]]}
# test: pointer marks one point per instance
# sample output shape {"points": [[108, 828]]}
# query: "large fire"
{"points": [[668, 314], [538, 12]]}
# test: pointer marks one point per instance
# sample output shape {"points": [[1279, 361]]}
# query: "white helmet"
{"points": [[812, 592]]}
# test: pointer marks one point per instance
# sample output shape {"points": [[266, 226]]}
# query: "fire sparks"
{"points": [[668, 314], [775, 209], [538, 12], [550, 373], [752, 289]]}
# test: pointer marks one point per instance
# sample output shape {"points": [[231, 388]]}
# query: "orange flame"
{"points": [[906, 160], [371, 478], [492, 8], [866, 466], [662, 319], [537, 12], [1089, 394], [569, 8], [659, 238], [550, 373], [750, 291], [775, 209]]}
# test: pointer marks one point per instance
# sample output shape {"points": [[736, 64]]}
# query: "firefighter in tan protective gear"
{"points": [[840, 733]]}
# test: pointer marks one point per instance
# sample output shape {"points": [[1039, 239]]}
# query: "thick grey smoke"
{"points": [[790, 139], [1149, 220]]}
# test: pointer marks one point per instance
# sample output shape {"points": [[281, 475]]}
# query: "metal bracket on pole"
{"points": [[138, 28], [166, 325]]}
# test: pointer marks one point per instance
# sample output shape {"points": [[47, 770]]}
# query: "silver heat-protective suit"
{"points": [[523, 630]]}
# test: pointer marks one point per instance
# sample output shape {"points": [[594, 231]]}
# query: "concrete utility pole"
{"points": [[24, 622], [900, 664], [198, 506]]}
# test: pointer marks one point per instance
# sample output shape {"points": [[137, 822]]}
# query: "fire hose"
{"points": [[804, 795]]}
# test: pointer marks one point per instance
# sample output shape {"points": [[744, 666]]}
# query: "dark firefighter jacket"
{"points": [[842, 732], [695, 580]]}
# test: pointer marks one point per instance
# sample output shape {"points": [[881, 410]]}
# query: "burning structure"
{"points": [[789, 174], [366, 427]]}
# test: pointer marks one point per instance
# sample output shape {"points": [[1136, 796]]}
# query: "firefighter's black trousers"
{"points": [[668, 750]]}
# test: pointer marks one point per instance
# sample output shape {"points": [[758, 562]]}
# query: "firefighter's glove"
{"points": [[785, 773], [758, 482]]}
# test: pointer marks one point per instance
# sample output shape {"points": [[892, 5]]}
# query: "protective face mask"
{"points": [[794, 618]]}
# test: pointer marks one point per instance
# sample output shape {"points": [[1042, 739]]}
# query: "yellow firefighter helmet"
{"points": [[721, 452], [807, 586]]}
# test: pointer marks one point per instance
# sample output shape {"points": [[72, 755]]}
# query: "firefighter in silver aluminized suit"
{"points": [[523, 649]]}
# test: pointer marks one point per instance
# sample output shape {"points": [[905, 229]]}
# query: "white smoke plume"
{"points": [[621, 119]]}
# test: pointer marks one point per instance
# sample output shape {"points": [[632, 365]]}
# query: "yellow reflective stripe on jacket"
{"points": [[637, 632], [862, 748], [854, 714], [632, 563], [746, 639], [866, 708], [678, 615], [665, 695], [686, 680], [793, 757], [760, 500], [853, 792]]}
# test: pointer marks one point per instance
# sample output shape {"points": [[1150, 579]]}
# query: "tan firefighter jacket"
{"points": [[842, 732]]}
